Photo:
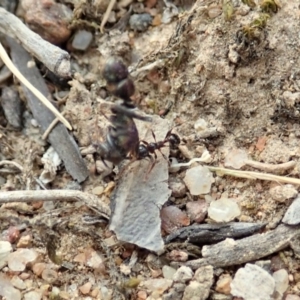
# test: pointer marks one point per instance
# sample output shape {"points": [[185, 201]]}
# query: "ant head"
{"points": [[142, 151], [174, 140], [115, 70]]}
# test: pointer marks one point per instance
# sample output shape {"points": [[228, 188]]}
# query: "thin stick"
{"points": [[55, 195], [36, 92], [53, 57], [15, 164], [49, 129], [254, 175], [269, 167], [106, 15]]}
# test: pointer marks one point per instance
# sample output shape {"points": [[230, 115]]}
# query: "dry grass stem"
{"points": [[106, 15], [269, 167], [36, 92], [54, 195]]}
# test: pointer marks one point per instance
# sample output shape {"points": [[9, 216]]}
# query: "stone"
{"points": [[205, 277], [281, 193], [18, 283], [223, 284], [223, 210], [168, 272], [18, 260], [86, 288], [281, 278], [38, 268], [198, 180], [197, 210], [33, 295], [82, 40], [173, 218], [158, 285], [94, 260], [183, 274], [292, 297], [177, 187], [5, 249], [140, 22], [49, 275], [7, 291], [194, 291], [253, 282], [24, 241], [292, 215]]}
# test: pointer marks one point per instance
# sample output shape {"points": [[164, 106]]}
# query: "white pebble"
{"points": [[281, 278], [223, 210], [253, 282], [5, 249], [198, 180]]}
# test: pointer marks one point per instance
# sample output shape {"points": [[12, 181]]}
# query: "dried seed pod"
{"points": [[115, 70]]}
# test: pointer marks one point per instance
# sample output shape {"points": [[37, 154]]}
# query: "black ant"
{"points": [[122, 140], [148, 149]]}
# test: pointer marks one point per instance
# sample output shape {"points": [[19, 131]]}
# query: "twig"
{"points": [[54, 58], [254, 175], [269, 167], [9, 162], [36, 92], [106, 15], [51, 126], [55, 195], [248, 174], [235, 252]]}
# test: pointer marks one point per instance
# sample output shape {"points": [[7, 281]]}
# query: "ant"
{"points": [[149, 149], [122, 140]]}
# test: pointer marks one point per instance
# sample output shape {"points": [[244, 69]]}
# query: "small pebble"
{"points": [[197, 210], [11, 234], [94, 260], [49, 275], [281, 278], [177, 187], [281, 193], [236, 158], [38, 268], [24, 241], [223, 284], [18, 260], [194, 291], [168, 272], [292, 215], [49, 19], [33, 295], [86, 288], [173, 218], [82, 40], [198, 180], [18, 283], [183, 274], [140, 22], [200, 125], [252, 282], [5, 249], [158, 285], [291, 98], [7, 291], [178, 255], [223, 210], [12, 106], [292, 297]]}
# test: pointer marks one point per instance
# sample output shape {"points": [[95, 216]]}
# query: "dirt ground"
{"points": [[225, 65]]}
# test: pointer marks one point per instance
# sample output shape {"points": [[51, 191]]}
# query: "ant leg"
{"points": [[151, 166]]}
